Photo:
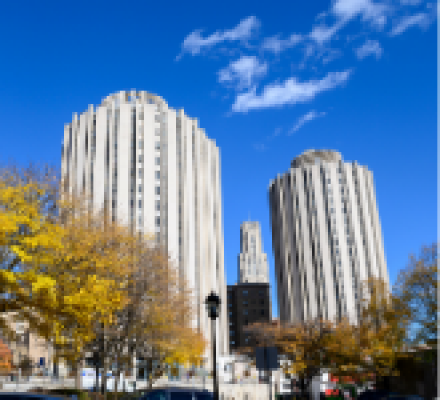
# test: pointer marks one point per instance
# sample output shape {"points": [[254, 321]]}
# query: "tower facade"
{"points": [[154, 169], [326, 235], [252, 261]]}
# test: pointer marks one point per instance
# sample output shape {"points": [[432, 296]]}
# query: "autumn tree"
{"points": [[59, 261], [29, 237], [92, 283], [369, 347], [302, 344], [416, 289]]}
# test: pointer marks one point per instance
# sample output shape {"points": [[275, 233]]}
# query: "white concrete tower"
{"points": [[154, 168], [252, 261], [326, 235]]}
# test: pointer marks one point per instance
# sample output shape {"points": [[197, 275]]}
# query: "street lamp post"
{"points": [[213, 306]]}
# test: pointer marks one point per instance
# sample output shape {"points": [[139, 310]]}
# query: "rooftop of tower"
{"points": [[312, 156], [130, 96]]}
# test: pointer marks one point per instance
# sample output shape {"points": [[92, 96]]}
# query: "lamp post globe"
{"points": [[213, 307]]}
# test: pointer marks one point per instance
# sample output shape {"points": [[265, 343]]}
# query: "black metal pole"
{"points": [[214, 358]]}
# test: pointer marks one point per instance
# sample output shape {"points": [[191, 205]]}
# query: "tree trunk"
{"points": [[117, 377], [104, 378], [78, 367]]}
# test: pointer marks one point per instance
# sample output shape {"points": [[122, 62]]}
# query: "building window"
{"points": [[157, 190], [245, 292], [157, 221], [140, 203], [157, 160], [231, 333], [262, 312], [245, 312], [157, 174], [245, 303], [157, 205], [157, 146], [140, 188]]}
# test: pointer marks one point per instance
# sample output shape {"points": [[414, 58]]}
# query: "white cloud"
{"points": [[368, 48], [421, 19], [194, 42], [243, 72], [346, 10], [310, 116], [291, 91], [373, 12], [277, 45]]}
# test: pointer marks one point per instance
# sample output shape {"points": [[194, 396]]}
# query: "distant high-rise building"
{"points": [[154, 168], [252, 261], [326, 236]]}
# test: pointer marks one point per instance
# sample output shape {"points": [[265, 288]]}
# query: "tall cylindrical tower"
{"points": [[326, 236], [155, 169]]}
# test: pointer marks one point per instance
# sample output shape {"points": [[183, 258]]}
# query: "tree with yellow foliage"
{"points": [[370, 347], [60, 262], [29, 239], [302, 344], [77, 277], [381, 329]]}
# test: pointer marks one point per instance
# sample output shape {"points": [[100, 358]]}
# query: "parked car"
{"points": [[171, 393], [383, 395], [28, 396]]}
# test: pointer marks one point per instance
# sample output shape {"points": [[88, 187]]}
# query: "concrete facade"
{"points": [[252, 261], [326, 235], [154, 168]]}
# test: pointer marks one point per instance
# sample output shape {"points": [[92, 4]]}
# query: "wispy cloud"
{"points": [[291, 91], [277, 45], [194, 43], [310, 116], [275, 134], [322, 33], [345, 11], [260, 147], [421, 20], [243, 72], [370, 47]]}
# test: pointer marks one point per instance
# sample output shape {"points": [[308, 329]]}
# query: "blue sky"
{"points": [[267, 81]]}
